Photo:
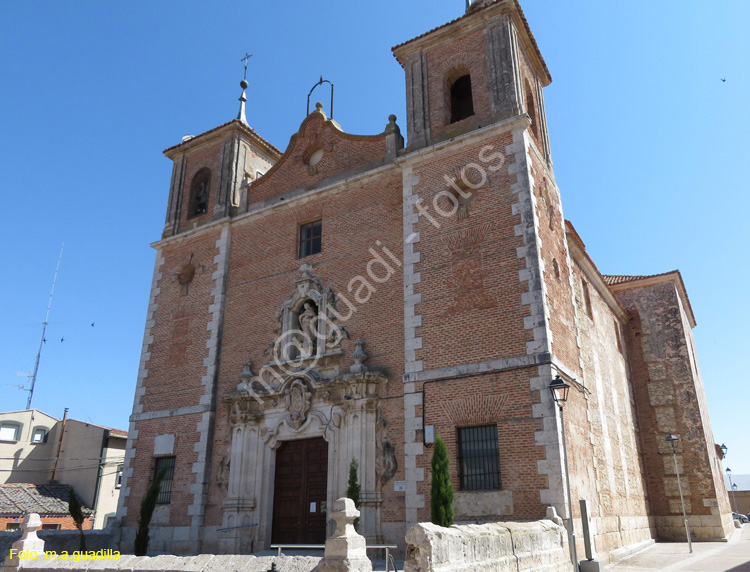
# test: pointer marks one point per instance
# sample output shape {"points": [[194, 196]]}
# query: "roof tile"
{"points": [[17, 499]]}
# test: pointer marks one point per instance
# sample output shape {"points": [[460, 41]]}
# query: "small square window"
{"points": [[310, 238], [479, 458], [39, 435]]}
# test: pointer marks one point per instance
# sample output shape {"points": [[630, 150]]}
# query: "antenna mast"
{"points": [[44, 330]]}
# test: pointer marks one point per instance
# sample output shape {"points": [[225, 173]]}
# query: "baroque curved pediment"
{"points": [[318, 151]]}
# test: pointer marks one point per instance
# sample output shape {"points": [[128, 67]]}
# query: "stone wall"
{"points": [[59, 540], [670, 399], [201, 563], [517, 546]]}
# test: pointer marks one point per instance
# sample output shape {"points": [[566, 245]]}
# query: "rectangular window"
{"points": [[310, 238], [478, 458], [13, 526], [165, 490], [50, 526], [39, 435], [9, 431]]}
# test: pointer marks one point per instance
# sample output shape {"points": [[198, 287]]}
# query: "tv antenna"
{"points": [[44, 330]]}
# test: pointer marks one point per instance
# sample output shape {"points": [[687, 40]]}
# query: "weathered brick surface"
{"points": [[447, 63], [471, 295]]}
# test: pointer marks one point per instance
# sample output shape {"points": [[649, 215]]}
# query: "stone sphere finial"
{"points": [[319, 106]]}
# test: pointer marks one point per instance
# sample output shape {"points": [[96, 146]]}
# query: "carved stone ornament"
{"points": [[187, 273], [308, 330], [297, 401], [386, 463], [242, 409], [222, 477]]}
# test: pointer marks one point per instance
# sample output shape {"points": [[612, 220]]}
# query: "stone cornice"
{"points": [[270, 153], [295, 196]]}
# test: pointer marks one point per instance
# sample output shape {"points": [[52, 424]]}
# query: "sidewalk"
{"points": [[732, 556]]}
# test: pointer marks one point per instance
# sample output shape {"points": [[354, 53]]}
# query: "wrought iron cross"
{"points": [[244, 59]]}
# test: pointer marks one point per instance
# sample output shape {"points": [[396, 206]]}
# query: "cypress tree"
{"points": [[148, 504], [441, 492], [74, 508], [353, 490]]}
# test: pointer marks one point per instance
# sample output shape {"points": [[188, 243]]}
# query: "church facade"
{"points": [[351, 298]]}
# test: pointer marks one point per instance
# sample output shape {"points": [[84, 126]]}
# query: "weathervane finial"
{"points": [[243, 85], [245, 58]]}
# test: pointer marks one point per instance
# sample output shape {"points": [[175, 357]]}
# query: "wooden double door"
{"points": [[300, 491]]}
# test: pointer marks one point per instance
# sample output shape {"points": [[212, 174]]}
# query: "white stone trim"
{"points": [[538, 320], [204, 427], [413, 447], [186, 410], [140, 387], [479, 368]]}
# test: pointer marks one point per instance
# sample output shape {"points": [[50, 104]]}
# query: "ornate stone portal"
{"points": [[312, 399]]}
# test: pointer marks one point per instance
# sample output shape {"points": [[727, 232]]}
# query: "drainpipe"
{"points": [[59, 443]]}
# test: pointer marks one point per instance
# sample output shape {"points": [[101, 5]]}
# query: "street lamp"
{"points": [[672, 439], [723, 448], [559, 390], [731, 484]]}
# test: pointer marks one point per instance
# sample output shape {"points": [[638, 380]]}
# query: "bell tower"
{"points": [[483, 68], [212, 172]]}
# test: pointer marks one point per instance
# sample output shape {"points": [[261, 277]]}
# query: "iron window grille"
{"points": [[478, 458], [310, 238], [165, 488]]}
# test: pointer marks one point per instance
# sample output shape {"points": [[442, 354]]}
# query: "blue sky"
{"points": [[648, 145]]}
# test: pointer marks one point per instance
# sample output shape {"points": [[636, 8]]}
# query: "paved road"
{"points": [[732, 556]]}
